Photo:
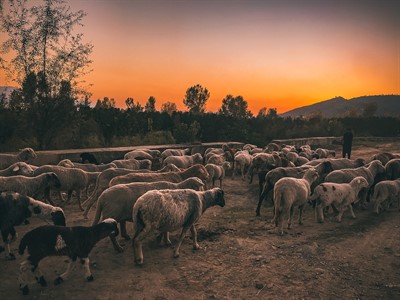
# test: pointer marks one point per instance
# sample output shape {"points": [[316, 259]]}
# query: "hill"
{"points": [[386, 105]]}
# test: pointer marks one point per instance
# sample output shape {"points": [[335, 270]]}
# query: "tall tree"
{"points": [[132, 106], [235, 107], [168, 107], [150, 105], [41, 36], [196, 98]]}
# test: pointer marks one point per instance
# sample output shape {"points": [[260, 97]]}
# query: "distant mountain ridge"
{"points": [[386, 105]]}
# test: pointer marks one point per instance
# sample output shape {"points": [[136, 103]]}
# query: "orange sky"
{"points": [[282, 54]]}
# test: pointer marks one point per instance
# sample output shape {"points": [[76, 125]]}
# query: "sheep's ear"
{"points": [[16, 168], [358, 181]]}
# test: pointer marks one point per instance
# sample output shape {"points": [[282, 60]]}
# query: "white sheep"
{"points": [[185, 161], [16, 208], [138, 154], [341, 195], [30, 186], [103, 181], [290, 193], [86, 167], [74, 242], [71, 179], [339, 163], [18, 168], [170, 210], [117, 201], [325, 153], [216, 159], [242, 162], [174, 152], [217, 172], [386, 192], [25, 154]]}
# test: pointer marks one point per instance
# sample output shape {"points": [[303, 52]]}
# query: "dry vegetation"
{"points": [[241, 258]]}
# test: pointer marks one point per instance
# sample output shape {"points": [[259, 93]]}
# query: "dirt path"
{"points": [[241, 258]]}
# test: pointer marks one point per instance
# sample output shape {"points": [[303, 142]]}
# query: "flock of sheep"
{"points": [[170, 190]]}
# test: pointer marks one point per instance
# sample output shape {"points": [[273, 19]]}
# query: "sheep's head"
{"points": [[53, 180], [111, 226], [58, 217], [26, 154], [194, 183], [361, 182], [21, 168], [219, 197]]}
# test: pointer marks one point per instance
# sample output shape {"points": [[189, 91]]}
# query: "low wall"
{"points": [[106, 155], [312, 141]]}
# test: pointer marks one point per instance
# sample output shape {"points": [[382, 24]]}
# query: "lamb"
{"points": [[290, 193], [117, 201], [341, 195], [24, 155], [71, 179], [275, 175], [325, 153], [103, 181], [242, 162], [88, 157], [185, 161], [373, 173], [387, 191], [170, 210], [18, 168], [194, 171], [174, 152], [30, 186], [74, 242], [15, 208], [217, 172], [392, 169]]}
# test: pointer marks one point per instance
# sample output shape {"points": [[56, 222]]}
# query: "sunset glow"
{"points": [[276, 54]]}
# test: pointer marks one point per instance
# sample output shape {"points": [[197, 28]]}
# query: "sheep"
{"points": [[295, 158], [117, 201], [273, 176], [71, 179], [292, 192], [138, 154], [174, 152], [386, 191], [66, 163], [263, 161], [217, 172], [88, 157], [248, 147], [339, 163], [373, 173], [103, 181], [194, 171], [24, 155], [170, 210], [132, 163], [325, 153], [384, 157], [271, 147], [18, 168], [30, 186], [242, 162], [392, 169], [341, 195], [185, 161], [74, 242], [15, 208], [216, 159]]}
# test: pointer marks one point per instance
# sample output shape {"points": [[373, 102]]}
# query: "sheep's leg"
{"points": [[78, 196], [339, 216], [196, 246], [47, 196], [122, 226], [220, 183], [291, 213], [167, 241], [260, 201], [115, 243], [65, 275], [377, 205], [352, 212], [140, 233], [90, 201], [38, 275], [301, 207], [319, 213], [23, 277], [7, 241], [88, 274], [181, 237]]}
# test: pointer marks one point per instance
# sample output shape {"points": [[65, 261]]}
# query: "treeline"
{"points": [[58, 125]]}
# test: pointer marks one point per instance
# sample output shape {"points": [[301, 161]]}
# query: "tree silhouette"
{"points": [[132, 106], [106, 103], [168, 107], [196, 98], [235, 107], [150, 105]]}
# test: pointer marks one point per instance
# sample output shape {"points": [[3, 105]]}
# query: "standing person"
{"points": [[347, 142]]}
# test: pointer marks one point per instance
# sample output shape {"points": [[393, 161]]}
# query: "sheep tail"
{"points": [[22, 245]]}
